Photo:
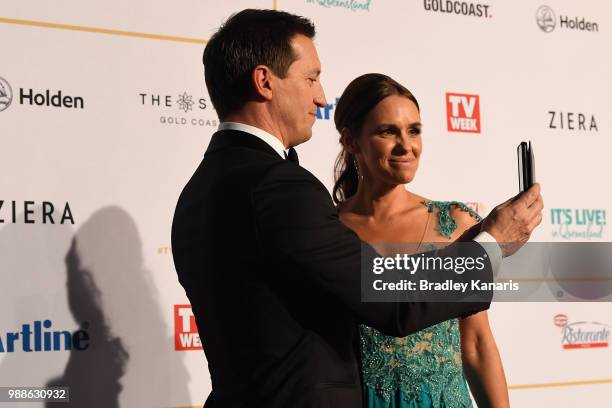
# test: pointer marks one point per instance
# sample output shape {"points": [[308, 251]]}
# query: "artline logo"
{"points": [[463, 113], [463, 8], [28, 212], [325, 113], [353, 5], [182, 104], [186, 335], [581, 335], [29, 96], [6, 94], [578, 223], [37, 337], [547, 21], [572, 121]]}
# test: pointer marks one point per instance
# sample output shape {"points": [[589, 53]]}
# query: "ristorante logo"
{"points": [[38, 336], [186, 335], [560, 120], [578, 223], [326, 112], [32, 97], [547, 21], [180, 109], [6, 94], [463, 113], [31, 212], [353, 5], [581, 335], [463, 8]]}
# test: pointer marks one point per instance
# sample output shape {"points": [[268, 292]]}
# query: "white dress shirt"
{"points": [[273, 141], [485, 239]]}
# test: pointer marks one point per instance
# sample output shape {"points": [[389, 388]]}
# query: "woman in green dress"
{"points": [[380, 131]]}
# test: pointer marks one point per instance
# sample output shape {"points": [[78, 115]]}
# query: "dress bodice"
{"points": [[423, 369]]}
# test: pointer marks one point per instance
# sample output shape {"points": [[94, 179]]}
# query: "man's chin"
{"points": [[304, 138]]}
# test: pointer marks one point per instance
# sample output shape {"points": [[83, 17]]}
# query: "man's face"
{"points": [[296, 97]]}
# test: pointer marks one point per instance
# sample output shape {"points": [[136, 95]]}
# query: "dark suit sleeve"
{"points": [[296, 222]]}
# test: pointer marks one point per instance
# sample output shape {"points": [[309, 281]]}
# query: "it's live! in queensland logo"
{"points": [[463, 113], [582, 335], [578, 223], [186, 335]]}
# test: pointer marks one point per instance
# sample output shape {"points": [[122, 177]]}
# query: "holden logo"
{"points": [[560, 320], [546, 19], [6, 94]]}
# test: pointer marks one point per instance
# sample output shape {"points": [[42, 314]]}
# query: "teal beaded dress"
{"points": [[424, 369]]}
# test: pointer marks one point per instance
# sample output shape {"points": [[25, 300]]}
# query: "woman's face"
{"points": [[389, 146]]}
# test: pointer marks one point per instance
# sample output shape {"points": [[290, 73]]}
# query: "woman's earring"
{"points": [[357, 167]]}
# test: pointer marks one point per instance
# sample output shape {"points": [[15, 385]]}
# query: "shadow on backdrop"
{"points": [[130, 359], [32, 288]]}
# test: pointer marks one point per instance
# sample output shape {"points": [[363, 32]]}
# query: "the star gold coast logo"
{"points": [[180, 109]]}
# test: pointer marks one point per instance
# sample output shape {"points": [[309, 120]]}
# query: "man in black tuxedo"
{"points": [[273, 276]]}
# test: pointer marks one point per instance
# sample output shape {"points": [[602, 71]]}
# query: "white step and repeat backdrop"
{"points": [[104, 115]]}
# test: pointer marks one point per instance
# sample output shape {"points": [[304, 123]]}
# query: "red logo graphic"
{"points": [[186, 335], [560, 320], [463, 113], [582, 335]]}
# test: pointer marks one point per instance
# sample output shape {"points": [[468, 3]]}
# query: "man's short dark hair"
{"points": [[246, 40]]}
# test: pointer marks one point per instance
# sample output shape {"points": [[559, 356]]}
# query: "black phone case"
{"points": [[526, 167]]}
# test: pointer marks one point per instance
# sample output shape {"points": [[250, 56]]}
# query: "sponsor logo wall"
{"points": [[102, 130]]}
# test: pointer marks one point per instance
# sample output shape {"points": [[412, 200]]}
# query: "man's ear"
{"points": [[262, 78], [349, 142]]}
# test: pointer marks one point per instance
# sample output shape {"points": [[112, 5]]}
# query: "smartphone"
{"points": [[526, 165]]}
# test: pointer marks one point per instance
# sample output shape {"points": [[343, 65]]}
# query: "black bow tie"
{"points": [[292, 155]]}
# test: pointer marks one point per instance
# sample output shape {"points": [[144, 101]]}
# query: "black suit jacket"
{"points": [[273, 277]]}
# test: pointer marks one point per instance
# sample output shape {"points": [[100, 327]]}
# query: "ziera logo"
{"points": [[30, 213], [581, 335], [186, 335], [55, 99], [37, 337], [463, 113], [572, 121], [547, 21]]}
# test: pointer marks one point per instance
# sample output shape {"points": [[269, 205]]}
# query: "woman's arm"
{"points": [[481, 362]]}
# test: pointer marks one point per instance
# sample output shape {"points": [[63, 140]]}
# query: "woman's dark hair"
{"points": [[357, 100], [246, 40]]}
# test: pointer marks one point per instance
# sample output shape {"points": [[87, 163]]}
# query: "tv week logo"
{"points": [[186, 335], [463, 113]]}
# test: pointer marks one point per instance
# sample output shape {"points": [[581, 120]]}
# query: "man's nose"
{"points": [[319, 98]]}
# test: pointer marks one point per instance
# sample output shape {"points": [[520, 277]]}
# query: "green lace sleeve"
{"points": [[446, 223]]}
